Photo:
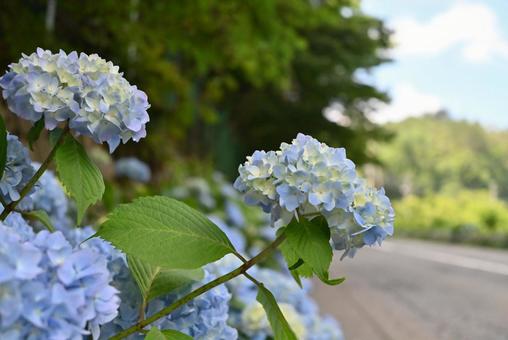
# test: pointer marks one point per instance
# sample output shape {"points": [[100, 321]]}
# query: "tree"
{"points": [[248, 73]]}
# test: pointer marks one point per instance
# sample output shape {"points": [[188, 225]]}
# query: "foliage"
{"points": [[150, 226], [467, 216], [222, 75], [81, 178], [281, 328], [435, 154]]}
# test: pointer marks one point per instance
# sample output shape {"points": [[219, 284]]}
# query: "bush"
{"points": [[467, 217]]}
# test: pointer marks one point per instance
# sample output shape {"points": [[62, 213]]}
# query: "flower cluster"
{"points": [[85, 90], [301, 312], [309, 178], [51, 198], [133, 168], [17, 173], [202, 318], [48, 290]]}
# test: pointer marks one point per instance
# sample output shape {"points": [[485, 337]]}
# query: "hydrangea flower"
{"points": [[324, 328], [202, 318], [86, 90], [133, 169], [50, 291], [205, 317], [308, 178], [248, 317], [17, 173], [51, 198]]}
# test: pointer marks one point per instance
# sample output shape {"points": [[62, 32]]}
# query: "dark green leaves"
{"points": [[167, 334], [3, 146], [280, 327], [81, 178], [35, 132], [166, 233], [156, 281], [307, 249]]}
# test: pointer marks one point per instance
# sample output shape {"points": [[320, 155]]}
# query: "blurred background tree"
{"points": [[223, 77]]}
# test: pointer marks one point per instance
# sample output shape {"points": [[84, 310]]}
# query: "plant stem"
{"points": [[44, 166], [142, 310], [203, 289]]}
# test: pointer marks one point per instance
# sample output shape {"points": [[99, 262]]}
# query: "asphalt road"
{"points": [[416, 290]]}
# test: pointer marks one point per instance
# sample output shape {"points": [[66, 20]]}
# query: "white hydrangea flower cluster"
{"points": [[308, 178], [86, 90]]}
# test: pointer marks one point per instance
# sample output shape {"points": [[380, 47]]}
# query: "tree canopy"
{"points": [[435, 154], [223, 77]]}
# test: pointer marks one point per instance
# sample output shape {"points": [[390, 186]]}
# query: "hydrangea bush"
{"points": [[156, 267]]}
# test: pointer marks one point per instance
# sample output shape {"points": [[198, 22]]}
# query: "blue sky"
{"points": [[450, 54]]}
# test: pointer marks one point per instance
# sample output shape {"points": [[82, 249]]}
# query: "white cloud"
{"points": [[406, 102], [472, 27]]}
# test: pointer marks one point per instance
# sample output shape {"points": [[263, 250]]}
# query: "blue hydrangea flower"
{"points": [[309, 178], [17, 173], [133, 169], [85, 90], [202, 318], [205, 317], [324, 328], [48, 290], [51, 198], [16, 221], [248, 317]]}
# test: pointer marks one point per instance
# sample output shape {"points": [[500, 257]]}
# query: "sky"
{"points": [[448, 54]]}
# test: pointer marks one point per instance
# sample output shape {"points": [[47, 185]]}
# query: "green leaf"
{"points": [[298, 264], [35, 132], [280, 326], [310, 240], [3, 146], [156, 281], [81, 178], [295, 265], [167, 334], [42, 217], [332, 282], [165, 232]]}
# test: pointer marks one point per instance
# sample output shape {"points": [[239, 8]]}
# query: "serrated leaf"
{"points": [[167, 334], [310, 240], [42, 217], [165, 232], [35, 132], [3, 146], [280, 326], [81, 178], [155, 281]]}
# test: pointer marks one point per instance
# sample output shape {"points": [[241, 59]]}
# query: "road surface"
{"points": [[417, 290]]}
